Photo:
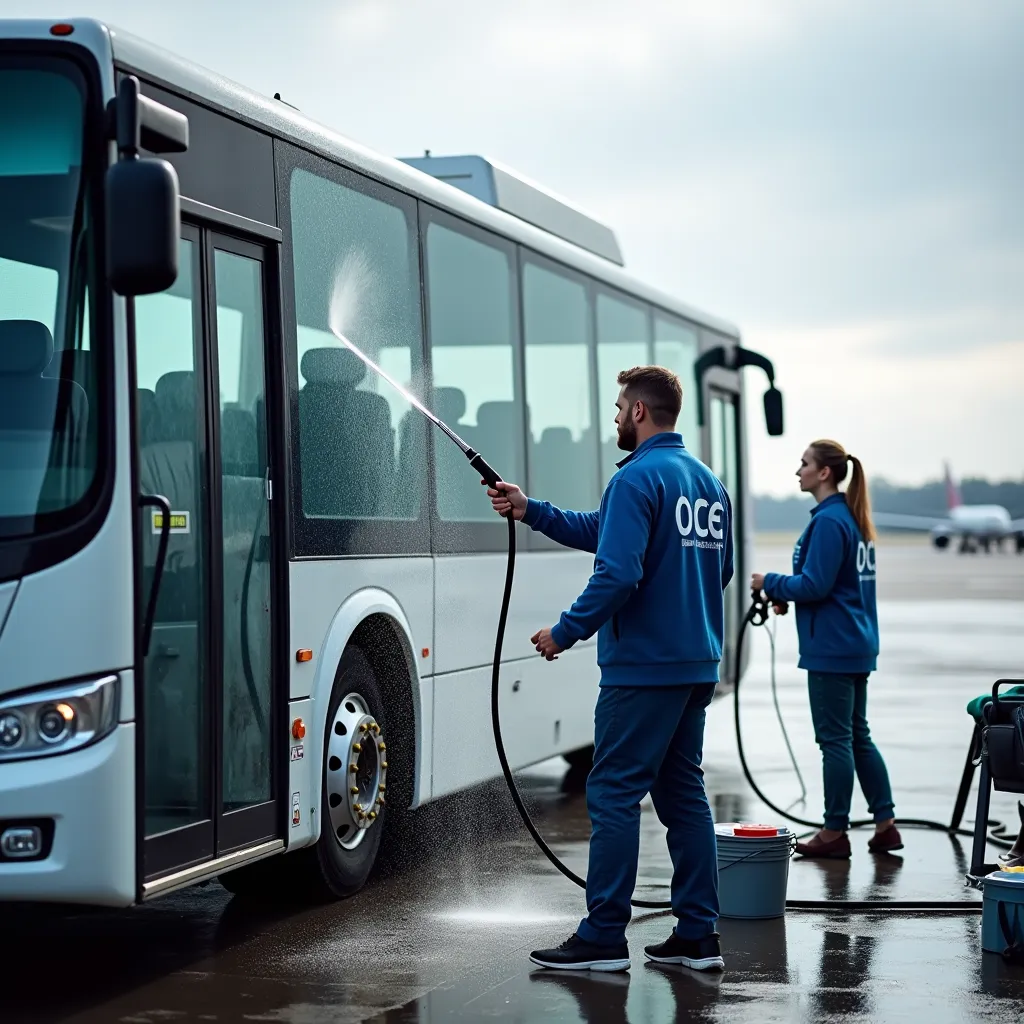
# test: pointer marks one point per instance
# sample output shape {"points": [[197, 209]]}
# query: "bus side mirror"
{"points": [[143, 200], [773, 411], [143, 224]]}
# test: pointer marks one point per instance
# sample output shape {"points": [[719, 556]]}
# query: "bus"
{"points": [[247, 597]]}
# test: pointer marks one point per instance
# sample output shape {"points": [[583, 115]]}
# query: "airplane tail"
{"points": [[953, 499]]}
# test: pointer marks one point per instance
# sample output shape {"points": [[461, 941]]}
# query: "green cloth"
{"points": [[976, 707]]}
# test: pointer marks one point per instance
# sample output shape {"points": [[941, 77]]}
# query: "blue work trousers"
{"points": [[839, 712], [649, 739]]}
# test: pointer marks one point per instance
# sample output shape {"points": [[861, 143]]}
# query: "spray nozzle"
{"points": [[758, 614]]}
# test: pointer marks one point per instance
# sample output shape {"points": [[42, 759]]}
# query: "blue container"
{"points": [[1006, 888], [753, 872]]}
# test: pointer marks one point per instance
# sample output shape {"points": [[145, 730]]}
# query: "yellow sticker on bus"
{"points": [[180, 522]]}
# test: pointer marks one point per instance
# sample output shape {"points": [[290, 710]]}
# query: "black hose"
{"points": [[757, 608]]}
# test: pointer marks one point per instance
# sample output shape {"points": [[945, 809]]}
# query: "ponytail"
{"points": [[859, 500], [832, 455]]}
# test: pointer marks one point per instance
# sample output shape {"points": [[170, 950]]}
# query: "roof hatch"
{"points": [[509, 191]]}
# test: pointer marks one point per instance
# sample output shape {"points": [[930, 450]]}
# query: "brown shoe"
{"points": [[887, 841], [835, 849]]}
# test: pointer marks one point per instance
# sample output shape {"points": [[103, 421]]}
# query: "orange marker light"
{"points": [[298, 729], [425, 652], [304, 654], [61, 29]]}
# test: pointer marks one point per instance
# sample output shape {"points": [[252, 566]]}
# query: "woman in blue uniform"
{"points": [[833, 588]]}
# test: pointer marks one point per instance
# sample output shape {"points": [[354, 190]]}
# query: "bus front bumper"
{"points": [[89, 797]]}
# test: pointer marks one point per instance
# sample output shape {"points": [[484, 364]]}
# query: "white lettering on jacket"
{"points": [[702, 518]]}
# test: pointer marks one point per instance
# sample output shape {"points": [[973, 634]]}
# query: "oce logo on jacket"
{"points": [[703, 518]]}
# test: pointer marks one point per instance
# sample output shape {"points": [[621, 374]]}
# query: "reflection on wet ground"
{"points": [[446, 936]]}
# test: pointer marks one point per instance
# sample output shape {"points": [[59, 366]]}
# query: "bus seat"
{"points": [[238, 448], [29, 400], [411, 464], [498, 431], [148, 416], [348, 444], [167, 466], [553, 467], [450, 406], [176, 404], [43, 421]]}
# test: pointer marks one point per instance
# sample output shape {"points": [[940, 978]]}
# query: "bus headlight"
{"points": [[57, 719]]}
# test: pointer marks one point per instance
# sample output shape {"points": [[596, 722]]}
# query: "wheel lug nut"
{"points": [[384, 765], [353, 767], [382, 746], [381, 787], [373, 815], [354, 790], [357, 747]]}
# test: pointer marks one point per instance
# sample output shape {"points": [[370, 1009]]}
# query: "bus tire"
{"points": [[582, 759], [352, 824]]}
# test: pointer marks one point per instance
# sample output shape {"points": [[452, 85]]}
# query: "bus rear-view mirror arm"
{"points": [[736, 358], [143, 202]]}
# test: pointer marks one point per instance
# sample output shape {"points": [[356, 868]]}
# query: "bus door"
{"points": [[208, 772], [721, 447]]}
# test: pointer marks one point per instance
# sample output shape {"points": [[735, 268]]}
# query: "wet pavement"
{"points": [[446, 936]]}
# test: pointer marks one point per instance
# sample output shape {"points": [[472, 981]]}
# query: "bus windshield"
{"points": [[47, 444]]}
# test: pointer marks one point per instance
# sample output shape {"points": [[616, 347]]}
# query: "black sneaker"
{"points": [[576, 955], [698, 954]]}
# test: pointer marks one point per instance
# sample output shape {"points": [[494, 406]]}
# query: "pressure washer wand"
{"points": [[476, 460]]}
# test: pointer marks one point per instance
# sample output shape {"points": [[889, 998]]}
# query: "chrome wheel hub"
{"points": [[356, 771]]}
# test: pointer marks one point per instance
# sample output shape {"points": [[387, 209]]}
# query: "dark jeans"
{"points": [[839, 712], [649, 739]]}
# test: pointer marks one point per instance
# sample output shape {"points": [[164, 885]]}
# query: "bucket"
{"points": [[753, 869], [1006, 888]]}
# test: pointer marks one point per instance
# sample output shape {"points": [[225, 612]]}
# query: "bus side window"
{"points": [[622, 342], [675, 347], [473, 341], [361, 449], [559, 388]]}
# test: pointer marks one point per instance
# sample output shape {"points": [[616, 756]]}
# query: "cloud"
{"points": [[840, 178]]}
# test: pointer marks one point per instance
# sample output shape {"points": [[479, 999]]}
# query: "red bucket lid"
{"points": [[754, 831]]}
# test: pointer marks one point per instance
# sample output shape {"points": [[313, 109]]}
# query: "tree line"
{"points": [[927, 500]]}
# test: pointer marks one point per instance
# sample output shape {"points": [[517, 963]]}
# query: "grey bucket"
{"points": [[753, 872]]}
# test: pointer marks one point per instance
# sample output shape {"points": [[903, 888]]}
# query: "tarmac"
{"points": [[446, 936]]}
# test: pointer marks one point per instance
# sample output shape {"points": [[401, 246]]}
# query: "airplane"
{"points": [[975, 525]]}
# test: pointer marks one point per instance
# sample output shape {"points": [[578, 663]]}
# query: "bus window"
{"points": [[563, 447], [622, 342], [470, 291], [675, 347], [361, 445]]}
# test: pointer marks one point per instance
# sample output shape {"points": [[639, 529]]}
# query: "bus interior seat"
{"points": [[35, 412], [167, 466], [553, 467], [148, 417], [238, 447], [347, 441], [498, 431], [29, 399]]}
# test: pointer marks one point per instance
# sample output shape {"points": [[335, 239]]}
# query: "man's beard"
{"points": [[627, 437]]}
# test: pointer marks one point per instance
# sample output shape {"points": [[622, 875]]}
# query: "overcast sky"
{"points": [[843, 179]]}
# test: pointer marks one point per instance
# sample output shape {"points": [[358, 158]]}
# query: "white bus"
{"points": [[247, 598]]}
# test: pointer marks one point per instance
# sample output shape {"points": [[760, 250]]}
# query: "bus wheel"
{"points": [[582, 759], [355, 773]]}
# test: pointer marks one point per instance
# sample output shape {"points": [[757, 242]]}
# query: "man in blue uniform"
{"points": [[663, 545]]}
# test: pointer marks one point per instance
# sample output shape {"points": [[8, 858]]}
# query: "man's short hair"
{"points": [[658, 388]]}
